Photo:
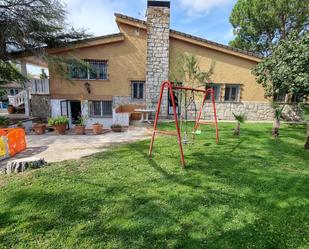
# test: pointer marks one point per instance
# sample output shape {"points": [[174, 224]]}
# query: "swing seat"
{"points": [[207, 122], [197, 132]]}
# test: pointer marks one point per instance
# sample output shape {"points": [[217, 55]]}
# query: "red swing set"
{"points": [[171, 88]]}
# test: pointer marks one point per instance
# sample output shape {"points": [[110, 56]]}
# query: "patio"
{"points": [[56, 148]]}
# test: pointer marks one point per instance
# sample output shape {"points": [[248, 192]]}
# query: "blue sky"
{"points": [[205, 18]]}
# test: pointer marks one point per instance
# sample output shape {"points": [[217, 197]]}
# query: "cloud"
{"points": [[200, 7], [96, 16]]}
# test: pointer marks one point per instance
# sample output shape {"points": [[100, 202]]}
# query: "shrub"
{"points": [[4, 121], [60, 120], [116, 126], [80, 121]]}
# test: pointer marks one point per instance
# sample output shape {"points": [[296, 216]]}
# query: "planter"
{"points": [[39, 129], [60, 129], [117, 129], [79, 129], [97, 129], [10, 109]]}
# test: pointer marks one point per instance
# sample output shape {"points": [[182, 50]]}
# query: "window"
{"points": [[216, 89], [100, 108], [137, 89], [97, 71], [13, 92], [232, 93], [280, 96]]}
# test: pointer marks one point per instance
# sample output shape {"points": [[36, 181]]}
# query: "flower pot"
{"points": [[117, 129], [10, 109], [60, 129], [79, 129], [39, 129], [97, 129]]}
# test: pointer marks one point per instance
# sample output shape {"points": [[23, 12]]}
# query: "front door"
{"points": [[76, 111]]}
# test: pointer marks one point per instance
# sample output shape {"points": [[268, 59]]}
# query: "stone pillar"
{"points": [[158, 29]]}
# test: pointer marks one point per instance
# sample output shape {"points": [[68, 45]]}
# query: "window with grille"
{"points": [[216, 89], [101, 108], [232, 93], [97, 71], [138, 89]]}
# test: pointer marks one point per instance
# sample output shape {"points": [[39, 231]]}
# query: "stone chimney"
{"points": [[157, 70]]}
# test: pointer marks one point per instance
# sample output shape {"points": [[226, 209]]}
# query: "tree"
{"points": [[30, 26], [187, 70], [277, 117], [43, 74], [240, 118], [305, 113], [261, 24], [286, 68]]}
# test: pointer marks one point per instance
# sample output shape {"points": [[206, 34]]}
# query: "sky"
{"points": [[208, 19]]}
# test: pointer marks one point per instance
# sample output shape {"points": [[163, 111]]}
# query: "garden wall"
{"points": [[254, 111]]}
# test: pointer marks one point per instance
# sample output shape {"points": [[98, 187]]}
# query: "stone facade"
{"points": [[255, 111], [40, 106], [126, 100], [157, 67]]}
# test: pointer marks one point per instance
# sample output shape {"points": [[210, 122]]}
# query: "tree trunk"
{"points": [[307, 142], [3, 55], [276, 127], [237, 129]]}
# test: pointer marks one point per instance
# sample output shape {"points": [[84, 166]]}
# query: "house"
{"points": [[130, 66], [8, 93]]}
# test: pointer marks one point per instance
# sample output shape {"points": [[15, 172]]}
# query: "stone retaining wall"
{"points": [[253, 110], [126, 100]]}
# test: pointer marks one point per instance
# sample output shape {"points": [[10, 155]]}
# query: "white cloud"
{"points": [[198, 7], [97, 16]]}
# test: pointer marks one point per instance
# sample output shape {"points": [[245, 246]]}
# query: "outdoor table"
{"points": [[144, 111]]}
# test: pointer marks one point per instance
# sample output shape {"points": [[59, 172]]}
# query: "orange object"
{"points": [[16, 139]]}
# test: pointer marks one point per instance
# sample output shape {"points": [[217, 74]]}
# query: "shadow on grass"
{"points": [[250, 193]]}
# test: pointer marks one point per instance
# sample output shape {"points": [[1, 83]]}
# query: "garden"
{"points": [[249, 191]]}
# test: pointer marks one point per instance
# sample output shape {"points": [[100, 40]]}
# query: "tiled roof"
{"points": [[192, 37]]}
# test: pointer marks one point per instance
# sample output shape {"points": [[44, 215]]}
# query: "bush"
{"points": [[116, 126], [4, 121], [60, 120], [81, 121]]}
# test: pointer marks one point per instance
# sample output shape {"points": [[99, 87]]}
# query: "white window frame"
{"points": [[238, 89], [102, 115], [88, 71], [138, 89], [211, 85]]}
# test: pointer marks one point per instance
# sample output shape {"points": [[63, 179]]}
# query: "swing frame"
{"points": [[170, 87]]}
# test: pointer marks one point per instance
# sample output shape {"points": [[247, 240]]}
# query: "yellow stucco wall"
{"points": [[228, 69], [126, 62]]}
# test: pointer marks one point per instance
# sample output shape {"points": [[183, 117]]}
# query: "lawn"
{"points": [[247, 192]]}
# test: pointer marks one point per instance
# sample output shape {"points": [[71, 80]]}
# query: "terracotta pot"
{"points": [[39, 129], [117, 129], [79, 129], [10, 109], [60, 129], [97, 129]]}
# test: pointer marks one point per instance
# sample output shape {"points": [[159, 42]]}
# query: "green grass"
{"points": [[247, 192]]}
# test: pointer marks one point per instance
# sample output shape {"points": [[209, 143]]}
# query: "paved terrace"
{"points": [[56, 148]]}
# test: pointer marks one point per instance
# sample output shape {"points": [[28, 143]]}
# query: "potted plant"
{"points": [[97, 128], [39, 129], [4, 122], [59, 123], [79, 128], [116, 128], [10, 109]]}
